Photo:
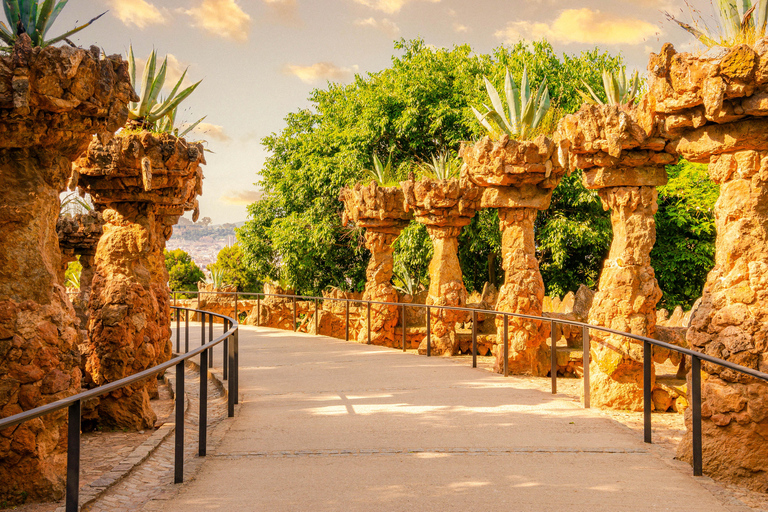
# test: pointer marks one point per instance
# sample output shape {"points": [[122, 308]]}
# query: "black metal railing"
{"points": [[696, 357], [205, 350]]}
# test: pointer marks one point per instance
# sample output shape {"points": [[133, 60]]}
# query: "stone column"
{"points": [[52, 101], [141, 183], [518, 178], [625, 163], [381, 212], [444, 207]]}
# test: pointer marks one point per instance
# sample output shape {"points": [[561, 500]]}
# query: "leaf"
{"points": [[596, 99], [24, 10], [158, 83], [132, 68], [543, 107], [5, 35], [483, 120], [147, 80], [73, 31], [55, 14], [498, 106], [191, 127], [11, 8], [42, 18], [513, 100]]}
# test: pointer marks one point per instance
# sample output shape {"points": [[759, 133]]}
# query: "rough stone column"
{"points": [[444, 207], [713, 106], [625, 163], [141, 183], [381, 212], [518, 178], [52, 101]]}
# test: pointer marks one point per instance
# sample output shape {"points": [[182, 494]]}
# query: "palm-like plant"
{"points": [[382, 173], [72, 205], [35, 19], [153, 112], [403, 281], [740, 22], [444, 166], [618, 90], [217, 277], [525, 110]]}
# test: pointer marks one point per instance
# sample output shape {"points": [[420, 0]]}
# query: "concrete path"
{"points": [[326, 425]]}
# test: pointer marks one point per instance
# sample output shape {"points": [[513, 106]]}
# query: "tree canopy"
{"points": [[236, 272], [183, 273]]}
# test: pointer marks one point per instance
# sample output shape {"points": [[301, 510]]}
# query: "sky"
{"points": [[260, 59]]}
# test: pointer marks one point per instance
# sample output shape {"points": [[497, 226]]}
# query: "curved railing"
{"points": [[696, 357], [205, 350]]}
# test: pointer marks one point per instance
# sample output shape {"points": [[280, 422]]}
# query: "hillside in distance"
{"points": [[202, 240]]}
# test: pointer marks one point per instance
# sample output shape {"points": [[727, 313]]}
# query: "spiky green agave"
{"points": [[618, 90], [35, 19], [151, 109], [525, 110], [382, 173], [444, 166], [740, 22], [217, 277]]}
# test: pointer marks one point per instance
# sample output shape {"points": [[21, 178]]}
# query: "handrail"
{"points": [[205, 350], [696, 357]]}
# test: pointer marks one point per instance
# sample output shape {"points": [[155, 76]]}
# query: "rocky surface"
{"points": [[444, 207], [142, 183], [625, 163], [518, 178], [52, 101], [381, 211]]}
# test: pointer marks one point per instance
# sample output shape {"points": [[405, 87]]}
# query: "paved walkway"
{"points": [[326, 425]]}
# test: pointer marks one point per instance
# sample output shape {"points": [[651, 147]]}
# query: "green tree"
{"points": [[411, 110], [72, 274], [235, 270], [183, 273], [685, 234]]}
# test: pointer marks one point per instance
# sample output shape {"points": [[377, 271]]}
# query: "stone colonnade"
{"points": [[141, 183], [381, 212], [444, 207], [45, 125]]}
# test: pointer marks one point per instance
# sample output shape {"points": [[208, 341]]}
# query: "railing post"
{"points": [[429, 333], [231, 381], [553, 356], [294, 313], [647, 366], [698, 460], [404, 326], [474, 339], [199, 299], [258, 310], [186, 331], [585, 364], [202, 329], [369, 323], [317, 318], [237, 318], [203, 423], [210, 338], [224, 365], [178, 454], [73, 458], [178, 330], [236, 368], [506, 345], [346, 322]]}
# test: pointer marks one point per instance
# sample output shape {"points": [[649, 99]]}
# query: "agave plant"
{"points": [[72, 205], [382, 173], [217, 277], [168, 124], [35, 19], [525, 110], [740, 22], [153, 112], [404, 283], [618, 90], [444, 166]]}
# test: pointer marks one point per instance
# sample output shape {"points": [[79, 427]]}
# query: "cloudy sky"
{"points": [[259, 59]]}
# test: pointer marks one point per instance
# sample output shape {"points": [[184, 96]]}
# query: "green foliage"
{"points": [[404, 283], [480, 251], [153, 112], [737, 22], [685, 234], [72, 274], [413, 251], [524, 111], [444, 166], [617, 90], [381, 173], [35, 19], [232, 269], [418, 106], [183, 273]]}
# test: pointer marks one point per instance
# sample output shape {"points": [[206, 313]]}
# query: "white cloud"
{"points": [[389, 6], [320, 71], [208, 131], [286, 11], [581, 26], [222, 18], [241, 197], [138, 13], [458, 27], [386, 25]]}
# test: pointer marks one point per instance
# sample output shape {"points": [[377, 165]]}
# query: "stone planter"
{"points": [[381, 211], [52, 101], [141, 183], [625, 164], [444, 207], [714, 105], [517, 178]]}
